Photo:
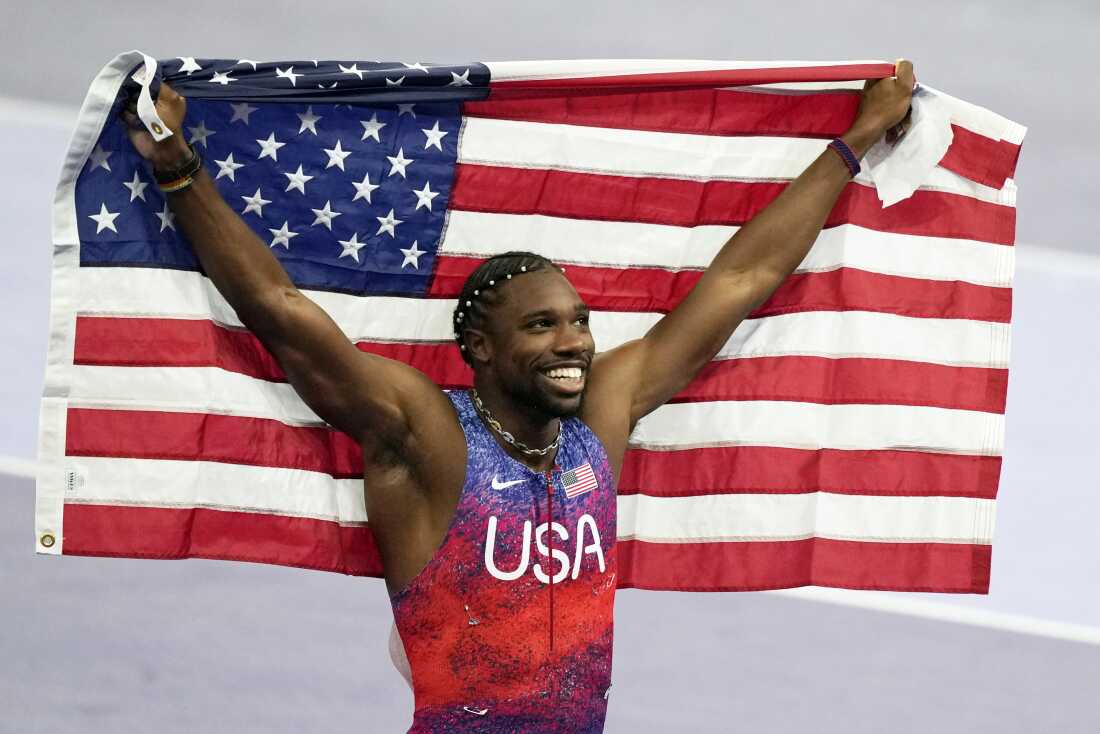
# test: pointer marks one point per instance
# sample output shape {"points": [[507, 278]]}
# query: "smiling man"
{"points": [[494, 509]]}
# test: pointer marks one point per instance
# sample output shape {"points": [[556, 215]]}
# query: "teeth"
{"points": [[566, 373]]}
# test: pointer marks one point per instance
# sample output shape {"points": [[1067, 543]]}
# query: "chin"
{"points": [[559, 407], [554, 406]]}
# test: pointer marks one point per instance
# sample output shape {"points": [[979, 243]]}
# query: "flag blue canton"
{"points": [[351, 197]]}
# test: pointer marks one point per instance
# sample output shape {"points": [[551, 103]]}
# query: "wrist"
{"points": [[170, 155], [862, 135]]}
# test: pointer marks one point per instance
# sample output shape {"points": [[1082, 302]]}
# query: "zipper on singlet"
{"points": [[550, 534]]}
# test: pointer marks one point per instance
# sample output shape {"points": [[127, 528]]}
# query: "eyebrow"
{"points": [[580, 308]]}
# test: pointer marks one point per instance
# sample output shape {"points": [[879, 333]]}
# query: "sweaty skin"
{"points": [[414, 446]]}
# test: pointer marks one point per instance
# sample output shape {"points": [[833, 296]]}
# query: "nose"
{"points": [[572, 340]]}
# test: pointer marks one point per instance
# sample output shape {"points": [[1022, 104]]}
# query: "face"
{"points": [[538, 343]]}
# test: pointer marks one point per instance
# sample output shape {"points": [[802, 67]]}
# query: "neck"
{"points": [[527, 425]]}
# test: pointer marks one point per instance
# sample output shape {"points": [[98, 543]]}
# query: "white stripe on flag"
{"points": [[169, 483], [751, 517], [184, 294], [633, 244], [603, 150], [763, 517], [738, 422]]}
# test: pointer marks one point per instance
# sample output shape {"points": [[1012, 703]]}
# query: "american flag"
{"points": [[577, 481], [849, 434]]}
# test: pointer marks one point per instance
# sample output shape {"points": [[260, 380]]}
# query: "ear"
{"points": [[479, 346]]}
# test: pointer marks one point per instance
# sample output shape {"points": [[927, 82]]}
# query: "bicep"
{"points": [[364, 395], [654, 368]]}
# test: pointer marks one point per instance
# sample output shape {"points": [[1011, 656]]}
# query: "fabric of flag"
{"points": [[577, 481], [849, 434]]}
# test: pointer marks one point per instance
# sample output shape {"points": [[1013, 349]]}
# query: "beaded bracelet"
{"points": [[846, 155]]}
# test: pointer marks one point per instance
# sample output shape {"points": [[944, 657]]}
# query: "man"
{"points": [[500, 636]]}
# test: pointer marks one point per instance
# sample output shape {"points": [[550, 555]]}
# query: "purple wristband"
{"points": [[846, 155]]}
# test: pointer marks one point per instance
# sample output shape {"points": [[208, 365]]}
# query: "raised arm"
{"points": [[747, 270], [366, 396]]}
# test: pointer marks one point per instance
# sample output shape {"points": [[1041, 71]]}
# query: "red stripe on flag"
{"points": [[738, 112], [143, 342], [717, 470], [702, 78], [691, 111], [752, 566], [150, 342], [980, 159], [688, 203], [155, 532], [227, 439], [749, 469], [844, 289], [147, 532]]}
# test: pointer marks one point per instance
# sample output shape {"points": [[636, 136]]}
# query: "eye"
{"points": [[583, 320], [539, 324]]}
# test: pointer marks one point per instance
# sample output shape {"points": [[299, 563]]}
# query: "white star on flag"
{"points": [[424, 197], [353, 69], [189, 64], [336, 156], [282, 235], [393, 83], [241, 111], [288, 74], [412, 256], [221, 77], [371, 128], [398, 162], [269, 148], [435, 136], [297, 180], [325, 215], [246, 61], [167, 218], [363, 188], [106, 220], [417, 65], [136, 186], [99, 158], [228, 167], [352, 247], [200, 134], [255, 203], [406, 109], [388, 224], [309, 121], [460, 80]]}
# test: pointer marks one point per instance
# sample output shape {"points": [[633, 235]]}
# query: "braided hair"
{"points": [[479, 294]]}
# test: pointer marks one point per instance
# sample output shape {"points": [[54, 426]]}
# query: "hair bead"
{"points": [[509, 276], [467, 303], [492, 282], [523, 269]]}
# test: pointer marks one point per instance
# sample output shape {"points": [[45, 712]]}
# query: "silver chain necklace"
{"points": [[508, 437]]}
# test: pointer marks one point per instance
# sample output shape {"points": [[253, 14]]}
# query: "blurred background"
{"points": [[104, 645]]}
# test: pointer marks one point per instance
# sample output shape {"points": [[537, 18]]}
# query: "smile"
{"points": [[566, 379]]}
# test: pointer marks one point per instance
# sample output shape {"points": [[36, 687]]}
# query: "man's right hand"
{"points": [[172, 151]]}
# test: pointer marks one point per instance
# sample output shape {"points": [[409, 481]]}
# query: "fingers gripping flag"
{"points": [[849, 433]]}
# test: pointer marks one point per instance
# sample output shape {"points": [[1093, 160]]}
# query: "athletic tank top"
{"points": [[508, 627]]}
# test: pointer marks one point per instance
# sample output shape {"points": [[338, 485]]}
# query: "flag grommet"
{"points": [[157, 128], [47, 540]]}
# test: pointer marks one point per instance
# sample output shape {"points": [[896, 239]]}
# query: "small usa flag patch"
{"points": [[578, 481]]}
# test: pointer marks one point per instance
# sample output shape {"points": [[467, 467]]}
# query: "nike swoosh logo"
{"points": [[479, 712], [503, 485]]}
